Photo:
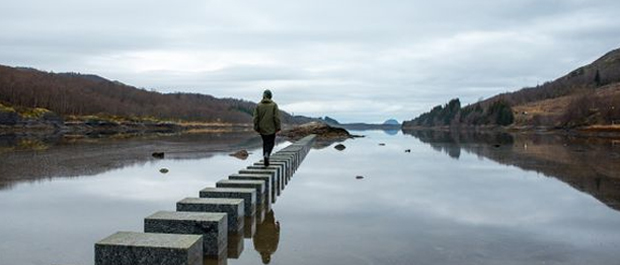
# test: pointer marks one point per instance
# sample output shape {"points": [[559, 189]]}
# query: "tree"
{"points": [[500, 113], [597, 78]]}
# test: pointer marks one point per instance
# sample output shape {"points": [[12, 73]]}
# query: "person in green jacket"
{"points": [[267, 123]]}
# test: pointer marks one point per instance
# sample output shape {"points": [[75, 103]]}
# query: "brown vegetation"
{"points": [[75, 95], [589, 95], [598, 107], [586, 79]]}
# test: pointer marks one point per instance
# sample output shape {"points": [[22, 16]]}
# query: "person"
{"points": [[267, 123]]}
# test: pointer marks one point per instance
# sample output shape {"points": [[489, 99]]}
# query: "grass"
{"points": [[26, 113], [116, 119], [38, 113], [4, 108], [35, 113]]}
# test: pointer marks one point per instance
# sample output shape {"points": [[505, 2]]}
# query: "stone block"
{"points": [[272, 167], [212, 226], [232, 207], [280, 166], [296, 156], [262, 197], [275, 181], [288, 165], [132, 248], [307, 140], [270, 183], [284, 156], [247, 194]]}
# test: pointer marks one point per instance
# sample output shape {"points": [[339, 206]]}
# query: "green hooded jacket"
{"points": [[267, 117]]}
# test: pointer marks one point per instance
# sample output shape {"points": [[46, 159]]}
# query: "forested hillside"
{"points": [[589, 95], [73, 94], [598, 74]]}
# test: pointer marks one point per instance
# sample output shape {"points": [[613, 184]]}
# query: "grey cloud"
{"points": [[321, 57]]}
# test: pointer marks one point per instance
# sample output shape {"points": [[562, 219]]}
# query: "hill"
{"points": [[587, 96], [391, 122], [70, 95]]}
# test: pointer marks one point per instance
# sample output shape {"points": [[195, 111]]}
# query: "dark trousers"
{"points": [[268, 142]]}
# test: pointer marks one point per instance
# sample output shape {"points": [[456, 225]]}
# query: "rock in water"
{"points": [[164, 170], [325, 135], [340, 147], [359, 177], [241, 154], [408, 151], [159, 155], [322, 131]]}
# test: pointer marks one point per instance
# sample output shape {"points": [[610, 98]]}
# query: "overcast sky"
{"points": [[352, 60]]}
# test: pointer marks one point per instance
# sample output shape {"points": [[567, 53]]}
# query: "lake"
{"points": [[388, 198]]}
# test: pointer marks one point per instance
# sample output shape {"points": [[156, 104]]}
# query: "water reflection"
{"points": [[264, 231], [258, 228], [391, 131], [421, 207], [221, 259], [249, 226], [267, 237], [235, 245], [450, 142], [29, 159], [587, 164]]}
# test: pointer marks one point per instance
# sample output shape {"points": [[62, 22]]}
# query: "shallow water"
{"points": [[450, 200]]}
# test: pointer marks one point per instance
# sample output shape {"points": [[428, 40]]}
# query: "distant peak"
{"points": [[391, 122], [330, 120]]}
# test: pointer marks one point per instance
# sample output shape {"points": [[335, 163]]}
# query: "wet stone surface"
{"points": [[213, 227], [132, 248], [247, 194], [262, 196], [232, 207]]}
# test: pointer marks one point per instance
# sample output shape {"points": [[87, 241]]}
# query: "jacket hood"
{"points": [[266, 100]]}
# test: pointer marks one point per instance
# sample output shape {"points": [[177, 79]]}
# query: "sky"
{"points": [[355, 61]]}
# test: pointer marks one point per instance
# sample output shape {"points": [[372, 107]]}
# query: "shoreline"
{"points": [[593, 131], [106, 128]]}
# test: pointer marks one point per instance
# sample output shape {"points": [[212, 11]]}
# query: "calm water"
{"points": [[452, 199]]}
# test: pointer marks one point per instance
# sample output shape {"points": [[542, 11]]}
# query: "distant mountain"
{"points": [[330, 121], [391, 122], [589, 95], [75, 94]]}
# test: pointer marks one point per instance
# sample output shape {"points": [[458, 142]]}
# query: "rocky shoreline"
{"points": [[102, 127]]}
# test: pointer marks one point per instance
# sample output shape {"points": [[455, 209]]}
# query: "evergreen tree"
{"points": [[597, 78]]}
